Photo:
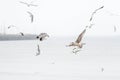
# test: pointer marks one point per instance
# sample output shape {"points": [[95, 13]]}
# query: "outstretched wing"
{"points": [[80, 36], [33, 5], [22, 34], [95, 12], [10, 26], [31, 16], [114, 28], [23, 2], [42, 36]]}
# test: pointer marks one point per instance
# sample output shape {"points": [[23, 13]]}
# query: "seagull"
{"points": [[102, 69], [114, 28], [11, 26], [31, 16], [42, 36], [78, 41], [21, 33], [38, 49], [28, 4], [95, 12]]}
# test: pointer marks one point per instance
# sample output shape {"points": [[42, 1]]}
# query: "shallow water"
{"points": [[57, 62]]}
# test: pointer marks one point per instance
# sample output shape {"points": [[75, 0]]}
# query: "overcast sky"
{"points": [[60, 17]]}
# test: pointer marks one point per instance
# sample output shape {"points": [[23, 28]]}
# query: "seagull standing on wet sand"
{"points": [[42, 36], [31, 16], [78, 41]]}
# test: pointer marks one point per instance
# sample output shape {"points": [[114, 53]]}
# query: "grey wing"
{"points": [[114, 28], [31, 18], [23, 2], [44, 35], [31, 15], [80, 36], [92, 16], [21, 33], [10, 26], [41, 36], [33, 5]]}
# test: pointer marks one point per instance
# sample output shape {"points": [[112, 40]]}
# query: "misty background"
{"points": [[63, 21], [60, 17]]}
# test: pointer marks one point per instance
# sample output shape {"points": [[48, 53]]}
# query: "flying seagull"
{"points": [[28, 4], [114, 28], [31, 16], [21, 33], [78, 41], [95, 12], [42, 36], [38, 50], [102, 69], [10, 26]]}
